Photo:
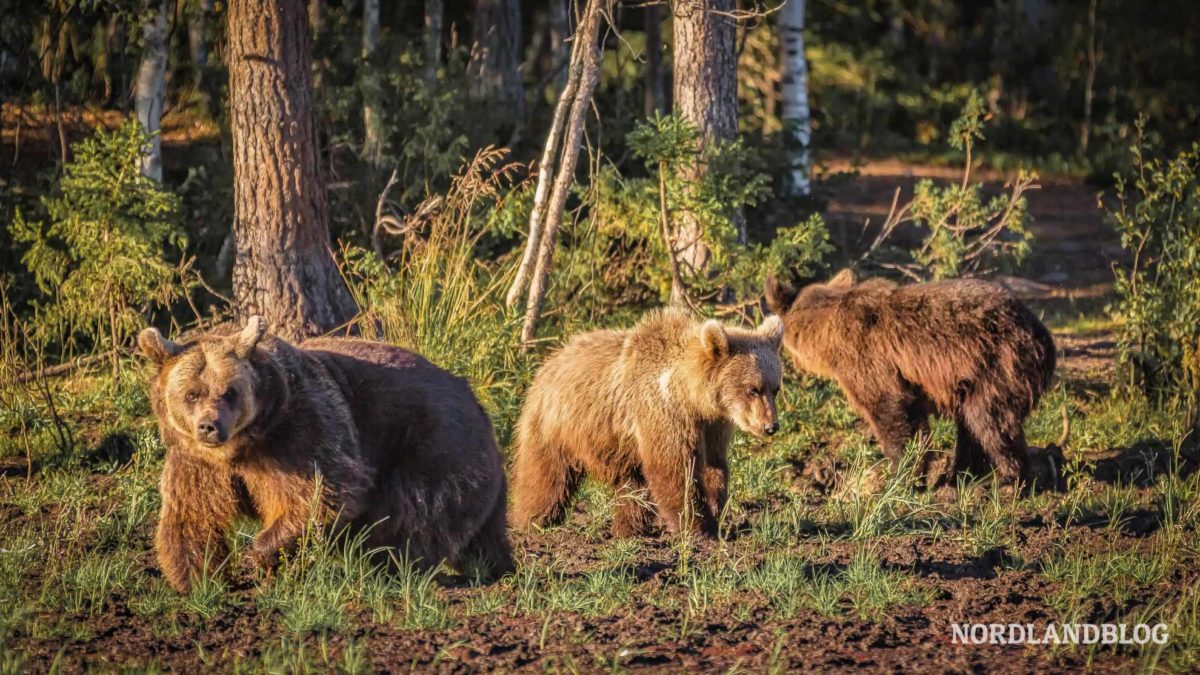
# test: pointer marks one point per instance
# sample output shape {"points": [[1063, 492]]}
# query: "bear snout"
{"points": [[770, 428], [210, 432]]}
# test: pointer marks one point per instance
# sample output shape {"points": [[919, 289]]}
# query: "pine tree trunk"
{"points": [[794, 113], [493, 73], [148, 96], [434, 16], [705, 93], [197, 21], [655, 93], [372, 131], [283, 268]]}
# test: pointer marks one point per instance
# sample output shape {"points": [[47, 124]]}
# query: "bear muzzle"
{"points": [[211, 432]]}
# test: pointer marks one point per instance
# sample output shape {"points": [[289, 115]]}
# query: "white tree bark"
{"points": [[794, 112], [372, 139], [148, 92]]}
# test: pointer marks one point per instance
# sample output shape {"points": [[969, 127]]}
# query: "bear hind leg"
{"points": [[489, 551], [543, 482], [1002, 438]]}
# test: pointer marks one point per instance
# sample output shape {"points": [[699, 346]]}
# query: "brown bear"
{"points": [[649, 407], [965, 349], [254, 424]]}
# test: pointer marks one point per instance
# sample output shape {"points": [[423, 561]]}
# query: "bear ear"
{"points": [[246, 340], [156, 347], [772, 329], [714, 339], [844, 279], [779, 295]]}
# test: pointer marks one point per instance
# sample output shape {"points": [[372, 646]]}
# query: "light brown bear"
{"points": [[965, 349], [253, 424], [649, 407]]}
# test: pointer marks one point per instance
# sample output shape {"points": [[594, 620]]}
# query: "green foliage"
{"points": [[964, 234], [1158, 298], [100, 256], [704, 186]]}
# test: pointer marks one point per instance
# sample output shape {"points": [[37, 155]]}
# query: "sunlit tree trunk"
{"points": [[556, 173], [705, 93], [794, 113], [283, 268], [148, 95]]}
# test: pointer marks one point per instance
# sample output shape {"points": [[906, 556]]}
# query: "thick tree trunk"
{"points": [[655, 94], [283, 267], [581, 84], [794, 113], [705, 93], [148, 95], [434, 16], [372, 126], [493, 73]]}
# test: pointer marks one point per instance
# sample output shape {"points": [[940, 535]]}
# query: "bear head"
{"points": [[747, 372], [205, 389]]}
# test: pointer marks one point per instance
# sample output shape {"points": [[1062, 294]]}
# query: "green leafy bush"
{"points": [[99, 256], [1158, 298], [708, 187], [963, 234]]}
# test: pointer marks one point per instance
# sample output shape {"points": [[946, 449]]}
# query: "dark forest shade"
{"points": [[284, 269]]}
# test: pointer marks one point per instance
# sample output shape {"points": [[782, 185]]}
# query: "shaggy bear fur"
{"points": [[965, 349], [646, 408], [254, 425]]}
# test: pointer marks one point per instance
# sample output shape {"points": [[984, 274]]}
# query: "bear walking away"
{"points": [[965, 349], [254, 425], [645, 409]]}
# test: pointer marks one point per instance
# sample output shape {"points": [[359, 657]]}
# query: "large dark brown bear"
{"points": [[648, 411], [965, 349], [253, 425]]}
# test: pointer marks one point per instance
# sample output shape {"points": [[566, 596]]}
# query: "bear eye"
{"points": [[192, 396], [230, 395], [754, 391]]}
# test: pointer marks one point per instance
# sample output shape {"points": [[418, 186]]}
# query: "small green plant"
{"points": [[1158, 298], [100, 256], [965, 235]]}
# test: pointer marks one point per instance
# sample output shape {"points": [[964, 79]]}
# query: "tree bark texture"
{"points": [[494, 73], [705, 94], [585, 72], [283, 266], [793, 85], [148, 96]]}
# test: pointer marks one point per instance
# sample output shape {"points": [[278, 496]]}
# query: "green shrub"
{"points": [[1158, 297], [99, 257]]}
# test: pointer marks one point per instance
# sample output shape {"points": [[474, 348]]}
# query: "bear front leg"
{"points": [[632, 515], [199, 503], [672, 472], [714, 476], [277, 538]]}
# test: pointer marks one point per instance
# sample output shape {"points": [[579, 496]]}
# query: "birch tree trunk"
{"points": [[564, 142], [794, 112], [372, 132], [705, 94], [148, 94], [283, 268], [434, 17]]}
